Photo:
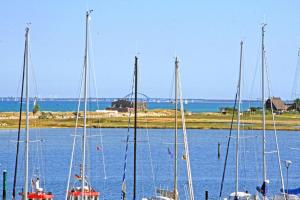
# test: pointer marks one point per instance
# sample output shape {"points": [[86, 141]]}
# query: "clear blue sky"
{"points": [[205, 35]]}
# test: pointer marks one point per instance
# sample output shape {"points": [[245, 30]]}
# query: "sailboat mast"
{"points": [[176, 127], [27, 116], [19, 128], [238, 124], [135, 122], [263, 104], [85, 104]]}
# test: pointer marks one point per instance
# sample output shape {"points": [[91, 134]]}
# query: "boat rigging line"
{"points": [[228, 145]]}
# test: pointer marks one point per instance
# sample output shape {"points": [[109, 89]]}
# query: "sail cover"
{"points": [[264, 188], [292, 191]]}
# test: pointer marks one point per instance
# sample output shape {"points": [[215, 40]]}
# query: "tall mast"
{"points": [[263, 104], [238, 124], [135, 122], [27, 115], [19, 128], [86, 64], [176, 126]]}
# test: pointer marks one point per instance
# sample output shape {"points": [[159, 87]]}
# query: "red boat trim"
{"points": [[85, 193], [32, 195]]}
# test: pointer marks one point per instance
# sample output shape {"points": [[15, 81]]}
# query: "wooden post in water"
{"points": [[219, 152], [4, 184], [206, 195], [135, 123]]}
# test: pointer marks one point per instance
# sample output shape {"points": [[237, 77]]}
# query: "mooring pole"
{"points": [[4, 184], [206, 195], [135, 124], [219, 150]]}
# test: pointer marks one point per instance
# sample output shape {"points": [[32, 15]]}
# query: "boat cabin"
{"points": [[38, 192], [89, 194], [240, 196], [40, 196], [162, 195]]}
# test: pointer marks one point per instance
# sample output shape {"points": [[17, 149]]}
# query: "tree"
{"points": [[36, 108], [297, 104]]}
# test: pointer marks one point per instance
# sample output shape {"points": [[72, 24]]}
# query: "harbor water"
{"points": [[154, 155]]}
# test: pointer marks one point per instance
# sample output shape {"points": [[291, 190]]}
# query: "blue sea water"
{"points": [[71, 105], [206, 167]]}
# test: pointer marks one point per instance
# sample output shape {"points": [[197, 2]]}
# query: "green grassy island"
{"points": [[151, 119]]}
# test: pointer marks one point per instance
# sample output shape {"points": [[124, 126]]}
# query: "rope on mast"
{"points": [[275, 132], [186, 146], [150, 155], [296, 89], [75, 135], [227, 149], [92, 68], [123, 193]]}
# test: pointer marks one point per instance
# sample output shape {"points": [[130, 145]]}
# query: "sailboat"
{"points": [[124, 193], [167, 194], [263, 189], [83, 190], [238, 195], [36, 192]]}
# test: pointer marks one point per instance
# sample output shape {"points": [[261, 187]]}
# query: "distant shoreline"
{"points": [[152, 119], [149, 99]]}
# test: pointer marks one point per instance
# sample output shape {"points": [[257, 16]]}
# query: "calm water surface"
{"points": [[206, 167]]}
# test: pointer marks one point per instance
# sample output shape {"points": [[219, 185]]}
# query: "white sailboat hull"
{"points": [[289, 197], [242, 196], [158, 198]]}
